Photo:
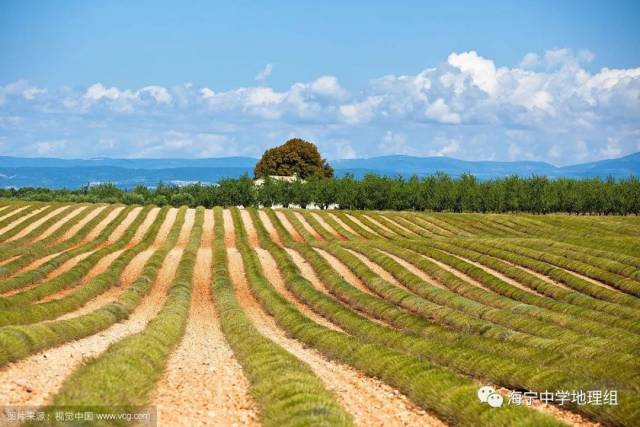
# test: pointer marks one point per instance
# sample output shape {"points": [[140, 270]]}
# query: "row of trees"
{"points": [[433, 193]]}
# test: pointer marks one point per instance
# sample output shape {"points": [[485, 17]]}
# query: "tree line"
{"points": [[438, 192]]}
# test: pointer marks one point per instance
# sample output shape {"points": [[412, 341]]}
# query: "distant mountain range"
{"points": [[127, 173]]}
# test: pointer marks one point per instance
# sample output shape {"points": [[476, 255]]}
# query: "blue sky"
{"points": [[557, 81]]}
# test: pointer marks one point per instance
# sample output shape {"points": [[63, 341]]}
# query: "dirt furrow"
{"points": [[272, 274], [249, 226], [343, 271], [122, 227], [343, 224], [266, 221], [410, 267], [380, 224], [202, 373], [60, 223], [129, 275], [370, 401], [307, 226], [18, 221], [33, 380], [73, 230], [93, 234], [287, 225], [326, 226], [456, 273], [35, 224], [397, 223], [165, 228], [361, 224], [144, 227], [499, 275], [229, 236]]}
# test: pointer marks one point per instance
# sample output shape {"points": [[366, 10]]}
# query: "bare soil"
{"points": [[266, 221], [93, 234], [60, 223], [73, 230], [307, 226], [361, 224], [379, 224], [326, 226], [15, 223], [343, 224], [287, 225]]}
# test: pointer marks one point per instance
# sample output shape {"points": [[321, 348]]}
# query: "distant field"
{"points": [[307, 317]]}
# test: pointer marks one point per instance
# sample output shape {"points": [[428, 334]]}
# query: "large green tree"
{"points": [[295, 157]]}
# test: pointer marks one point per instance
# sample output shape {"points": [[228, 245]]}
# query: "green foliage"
{"points": [[437, 193], [295, 157]]}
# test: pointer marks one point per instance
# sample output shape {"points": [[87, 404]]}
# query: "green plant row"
{"points": [[125, 374], [329, 219], [435, 221], [559, 299], [396, 225], [67, 279], [559, 274], [470, 317], [30, 253], [23, 314], [20, 341], [450, 395], [19, 210], [611, 272], [624, 265], [355, 226], [502, 310], [480, 365], [28, 218], [469, 333], [286, 390], [475, 227], [34, 275], [411, 225], [538, 307], [313, 222], [297, 225], [6, 251], [366, 220], [36, 232]]}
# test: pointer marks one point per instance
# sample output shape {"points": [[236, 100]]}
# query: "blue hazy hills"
{"points": [[127, 173]]}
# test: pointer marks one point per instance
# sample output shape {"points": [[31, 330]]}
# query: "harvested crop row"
{"points": [[29, 267], [126, 373], [372, 358], [517, 376], [272, 371]]}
